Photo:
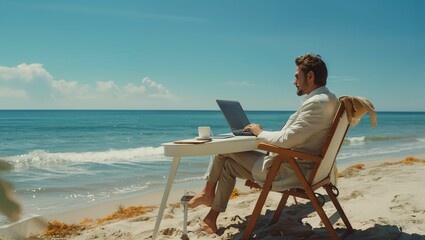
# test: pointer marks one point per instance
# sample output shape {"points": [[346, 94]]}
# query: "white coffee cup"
{"points": [[204, 132]]}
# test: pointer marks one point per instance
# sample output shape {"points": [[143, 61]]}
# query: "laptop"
{"points": [[235, 116]]}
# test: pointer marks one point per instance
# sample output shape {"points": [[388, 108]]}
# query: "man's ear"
{"points": [[310, 76]]}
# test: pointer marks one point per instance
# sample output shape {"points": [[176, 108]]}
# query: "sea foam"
{"points": [[42, 158]]}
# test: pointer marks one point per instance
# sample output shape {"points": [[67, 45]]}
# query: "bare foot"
{"points": [[200, 199], [208, 227]]}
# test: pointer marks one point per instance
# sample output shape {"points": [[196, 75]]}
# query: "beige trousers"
{"points": [[224, 171]]}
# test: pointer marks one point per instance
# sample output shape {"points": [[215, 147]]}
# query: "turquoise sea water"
{"points": [[62, 160]]}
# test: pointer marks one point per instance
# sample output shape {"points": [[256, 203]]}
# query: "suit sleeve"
{"points": [[308, 122]]}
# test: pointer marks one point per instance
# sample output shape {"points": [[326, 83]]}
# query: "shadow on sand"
{"points": [[291, 227]]}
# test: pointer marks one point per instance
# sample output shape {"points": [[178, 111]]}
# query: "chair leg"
{"points": [[280, 207], [262, 198], [316, 204], [339, 208], [255, 214]]}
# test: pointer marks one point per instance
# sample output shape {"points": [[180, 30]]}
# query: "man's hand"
{"points": [[254, 128]]}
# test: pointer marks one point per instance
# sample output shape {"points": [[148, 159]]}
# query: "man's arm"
{"points": [[310, 120]]}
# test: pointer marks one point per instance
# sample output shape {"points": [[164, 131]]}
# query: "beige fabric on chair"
{"points": [[356, 107]]}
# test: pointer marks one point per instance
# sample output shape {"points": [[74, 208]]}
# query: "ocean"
{"points": [[60, 160]]}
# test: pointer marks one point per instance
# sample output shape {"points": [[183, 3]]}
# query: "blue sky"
{"points": [[185, 54]]}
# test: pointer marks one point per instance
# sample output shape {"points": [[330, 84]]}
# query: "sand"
{"points": [[382, 201]]}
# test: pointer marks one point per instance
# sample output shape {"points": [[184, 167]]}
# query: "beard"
{"points": [[300, 92]]}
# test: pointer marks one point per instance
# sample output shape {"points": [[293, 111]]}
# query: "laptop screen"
{"points": [[234, 114]]}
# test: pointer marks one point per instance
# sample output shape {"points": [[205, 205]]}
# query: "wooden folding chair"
{"points": [[320, 177]]}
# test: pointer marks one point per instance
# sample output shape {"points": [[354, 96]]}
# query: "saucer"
{"points": [[208, 138]]}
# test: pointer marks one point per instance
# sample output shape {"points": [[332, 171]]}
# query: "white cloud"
{"points": [[14, 94], [33, 77], [106, 86], [130, 89], [158, 89], [29, 72], [25, 72], [70, 89], [133, 89]]}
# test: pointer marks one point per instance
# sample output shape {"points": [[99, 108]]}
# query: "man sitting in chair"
{"points": [[304, 131]]}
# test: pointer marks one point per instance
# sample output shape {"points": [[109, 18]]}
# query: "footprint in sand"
{"points": [[354, 194], [404, 205], [170, 231], [401, 204]]}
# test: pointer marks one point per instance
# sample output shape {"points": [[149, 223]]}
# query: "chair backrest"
{"points": [[332, 144]]}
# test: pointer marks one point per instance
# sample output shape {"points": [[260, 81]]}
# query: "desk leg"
{"points": [[170, 180]]}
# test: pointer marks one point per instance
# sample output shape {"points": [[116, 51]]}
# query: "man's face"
{"points": [[301, 82]]}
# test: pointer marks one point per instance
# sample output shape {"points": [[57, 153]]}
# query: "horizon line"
{"points": [[212, 110]]}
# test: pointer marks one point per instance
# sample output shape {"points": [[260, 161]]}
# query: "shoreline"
{"points": [[37, 224]]}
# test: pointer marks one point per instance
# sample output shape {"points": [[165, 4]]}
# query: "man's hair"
{"points": [[312, 62]]}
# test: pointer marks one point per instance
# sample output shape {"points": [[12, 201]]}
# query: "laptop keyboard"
{"points": [[243, 133]]}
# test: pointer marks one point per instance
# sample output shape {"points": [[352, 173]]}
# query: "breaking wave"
{"points": [[42, 158], [365, 139]]}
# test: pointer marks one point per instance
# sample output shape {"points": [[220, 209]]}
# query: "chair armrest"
{"points": [[288, 152]]}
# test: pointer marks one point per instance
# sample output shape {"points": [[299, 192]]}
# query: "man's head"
{"points": [[311, 73]]}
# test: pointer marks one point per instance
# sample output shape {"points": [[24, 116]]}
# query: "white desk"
{"points": [[217, 146]]}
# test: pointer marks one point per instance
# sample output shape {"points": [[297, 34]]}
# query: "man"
{"points": [[304, 131]]}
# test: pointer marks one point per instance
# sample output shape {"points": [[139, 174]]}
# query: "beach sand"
{"points": [[382, 201]]}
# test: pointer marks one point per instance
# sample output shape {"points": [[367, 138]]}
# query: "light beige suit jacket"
{"points": [[304, 131]]}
